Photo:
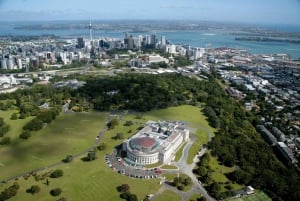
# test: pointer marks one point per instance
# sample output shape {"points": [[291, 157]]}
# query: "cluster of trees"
{"points": [[180, 61], [46, 116], [33, 189], [212, 117], [57, 173], [237, 144], [4, 128], [142, 92], [181, 182], [124, 189], [9, 192], [204, 174], [112, 123], [7, 105]]}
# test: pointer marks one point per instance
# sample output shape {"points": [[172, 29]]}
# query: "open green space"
{"points": [[86, 181], [16, 126], [179, 152], [258, 196], [202, 138], [168, 167], [74, 133], [219, 172], [68, 134], [168, 195], [195, 197]]}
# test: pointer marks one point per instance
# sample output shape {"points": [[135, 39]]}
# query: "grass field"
{"points": [[168, 167], [16, 126], [168, 196], [74, 133], [219, 172], [258, 196], [69, 134], [179, 153], [195, 197]]}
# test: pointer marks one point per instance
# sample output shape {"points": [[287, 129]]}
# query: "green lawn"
{"points": [[219, 172], [168, 167], [74, 133], [16, 126], [179, 152], [195, 197], [202, 138], [168, 196], [69, 134]]}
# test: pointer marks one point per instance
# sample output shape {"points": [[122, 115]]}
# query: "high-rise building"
{"points": [[80, 43], [3, 63], [163, 42]]}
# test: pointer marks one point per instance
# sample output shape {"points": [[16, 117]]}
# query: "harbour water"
{"points": [[197, 38]]}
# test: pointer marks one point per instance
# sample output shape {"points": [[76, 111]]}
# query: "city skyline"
{"points": [[255, 11]]}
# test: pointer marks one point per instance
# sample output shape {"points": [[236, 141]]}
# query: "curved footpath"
{"points": [[187, 169]]}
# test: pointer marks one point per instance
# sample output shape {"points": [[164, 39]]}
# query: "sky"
{"points": [[249, 11]]}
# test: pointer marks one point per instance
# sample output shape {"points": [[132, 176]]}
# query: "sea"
{"points": [[194, 38]]}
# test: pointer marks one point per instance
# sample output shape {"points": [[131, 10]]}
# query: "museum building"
{"points": [[156, 142]]}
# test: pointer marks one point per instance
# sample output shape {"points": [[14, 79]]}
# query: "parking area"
{"points": [[118, 165]]}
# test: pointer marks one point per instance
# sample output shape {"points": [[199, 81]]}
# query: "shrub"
{"points": [[25, 135], [56, 173], [68, 159], [55, 192], [5, 141], [34, 189]]}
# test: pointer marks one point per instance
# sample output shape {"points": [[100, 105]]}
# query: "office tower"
{"points": [[80, 43]]}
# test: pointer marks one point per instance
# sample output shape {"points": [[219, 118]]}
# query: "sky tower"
{"points": [[91, 31]]}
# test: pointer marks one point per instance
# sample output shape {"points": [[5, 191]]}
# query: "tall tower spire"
{"points": [[91, 30]]}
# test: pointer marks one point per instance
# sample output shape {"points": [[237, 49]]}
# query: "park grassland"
{"points": [[74, 133], [168, 195], [68, 134], [219, 172]]}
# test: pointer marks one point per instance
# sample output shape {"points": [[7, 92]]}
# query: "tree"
{"points": [[124, 188], [91, 155], [25, 134], [128, 123], [14, 116], [101, 146], [34, 189], [68, 159], [119, 136], [57, 173], [113, 123], [5, 141], [34, 125], [55, 191]]}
